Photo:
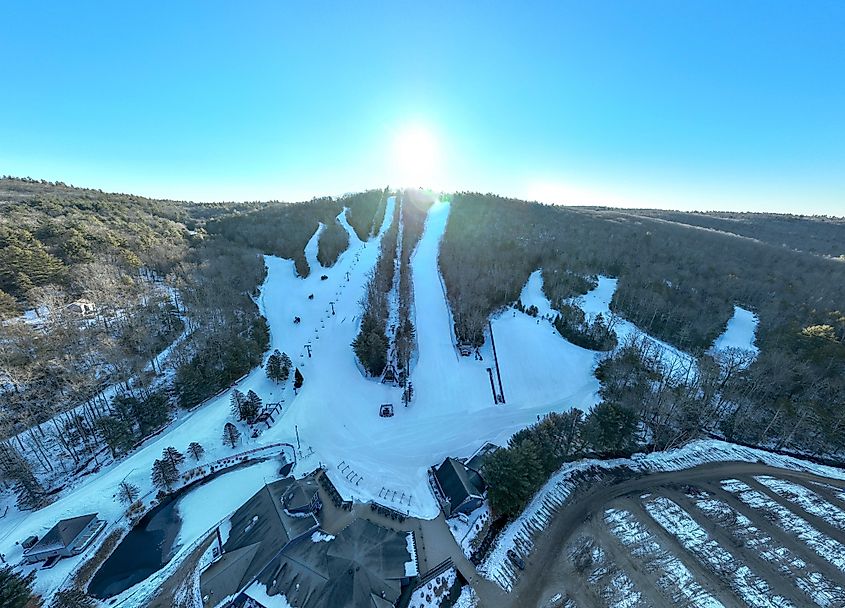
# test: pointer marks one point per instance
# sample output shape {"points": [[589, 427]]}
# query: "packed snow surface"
{"points": [[740, 332], [596, 302]]}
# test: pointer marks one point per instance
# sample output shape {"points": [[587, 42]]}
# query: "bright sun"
{"points": [[416, 156]]}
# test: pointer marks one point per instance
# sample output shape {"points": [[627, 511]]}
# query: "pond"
{"points": [[142, 552], [177, 521]]}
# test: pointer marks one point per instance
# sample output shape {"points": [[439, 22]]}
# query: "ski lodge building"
{"points": [[276, 548]]}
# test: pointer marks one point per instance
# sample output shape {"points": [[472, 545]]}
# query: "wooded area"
{"points": [[110, 281], [679, 283]]}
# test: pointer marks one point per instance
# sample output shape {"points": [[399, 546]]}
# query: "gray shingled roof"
{"points": [[260, 529], [62, 534], [362, 567], [455, 481], [299, 494]]}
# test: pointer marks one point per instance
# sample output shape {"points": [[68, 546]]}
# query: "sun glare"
{"points": [[416, 156]]}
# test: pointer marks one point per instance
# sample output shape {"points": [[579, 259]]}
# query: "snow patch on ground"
{"points": [[466, 529], [828, 548], [806, 499], [467, 598], [434, 592], [674, 578], [411, 568], [817, 587], [740, 332]]}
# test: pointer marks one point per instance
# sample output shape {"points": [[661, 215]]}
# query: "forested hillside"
{"points": [[93, 286], [814, 234], [679, 283]]}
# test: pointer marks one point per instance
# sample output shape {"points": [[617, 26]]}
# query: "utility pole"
{"points": [[308, 346], [332, 305]]}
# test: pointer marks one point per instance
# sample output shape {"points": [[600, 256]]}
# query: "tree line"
{"points": [[678, 283]]}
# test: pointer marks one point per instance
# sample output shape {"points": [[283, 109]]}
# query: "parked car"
{"points": [[518, 561]]}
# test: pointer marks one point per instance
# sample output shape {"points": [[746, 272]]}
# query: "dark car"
{"points": [[518, 561]]}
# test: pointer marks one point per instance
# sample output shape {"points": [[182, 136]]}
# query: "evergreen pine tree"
{"points": [[127, 493], [15, 589], [284, 367], [164, 474], [173, 455], [274, 366], [231, 434], [196, 450], [297, 379], [251, 407], [238, 399]]}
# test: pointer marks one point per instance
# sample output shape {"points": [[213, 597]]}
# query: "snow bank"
{"points": [[467, 599], [321, 537], [411, 568]]}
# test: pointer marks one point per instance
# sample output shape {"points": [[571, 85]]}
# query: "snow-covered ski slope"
{"points": [[453, 412], [336, 411], [740, 333]]}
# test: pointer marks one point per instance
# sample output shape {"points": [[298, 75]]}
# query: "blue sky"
{"points": [[689, 105]]}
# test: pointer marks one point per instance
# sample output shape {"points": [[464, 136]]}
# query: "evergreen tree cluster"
{"points": [[365, 211], [593, 334], [245, 407], [334, 240], [16, 589], [133, 417], [278, 366], [371, 344], [516, 472], [165, 471]]}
